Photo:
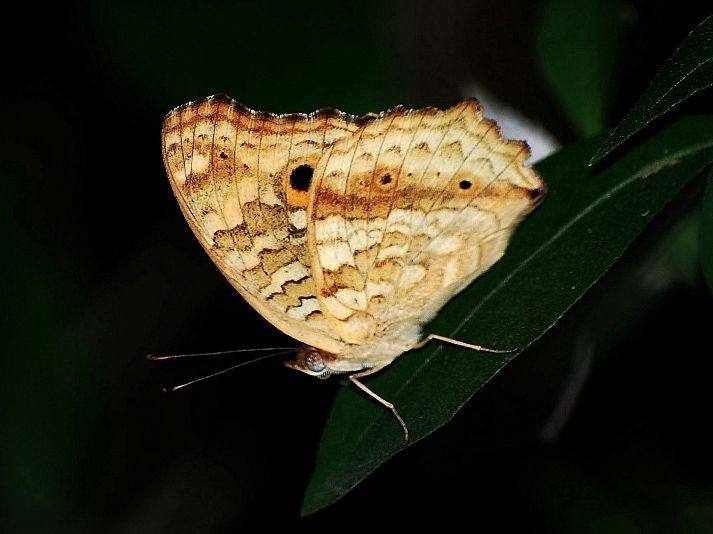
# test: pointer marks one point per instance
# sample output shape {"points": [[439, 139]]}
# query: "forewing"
{"points": [[230, 169]]}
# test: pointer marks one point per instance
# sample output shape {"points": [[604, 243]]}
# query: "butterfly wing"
{"points": [[407, 211], [241, 179]]}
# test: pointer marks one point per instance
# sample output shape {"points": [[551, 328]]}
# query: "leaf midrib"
{"points": [[664, 95]]}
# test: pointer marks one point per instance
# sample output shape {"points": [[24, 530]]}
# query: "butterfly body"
{"points": [[348, 233]]}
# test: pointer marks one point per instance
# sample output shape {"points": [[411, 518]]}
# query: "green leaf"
{"points": [[560, 250], [689, 70], [578, 48], [706, 233]]}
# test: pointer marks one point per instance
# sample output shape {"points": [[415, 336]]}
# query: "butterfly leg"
{"points": [[460, 344], [355, 380]]}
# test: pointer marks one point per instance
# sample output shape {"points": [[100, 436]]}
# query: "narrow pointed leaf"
{"points": [[689, 70], [565, 246]]}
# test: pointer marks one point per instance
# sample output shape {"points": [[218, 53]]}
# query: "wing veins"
{"points": [[393, 196]]}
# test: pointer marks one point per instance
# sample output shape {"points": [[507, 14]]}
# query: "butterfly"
{"points": [[348, 233]]}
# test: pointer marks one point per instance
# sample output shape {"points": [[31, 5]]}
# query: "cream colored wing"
{"points": [[242, 181], [407, 211]]}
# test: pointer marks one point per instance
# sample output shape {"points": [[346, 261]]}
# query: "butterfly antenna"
{"points": [[180, 386], [155, 357]]}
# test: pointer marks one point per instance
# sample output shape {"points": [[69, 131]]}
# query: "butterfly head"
{"points": [[312, 361]]}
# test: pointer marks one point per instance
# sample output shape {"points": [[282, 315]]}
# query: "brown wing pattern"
{"points": [[410, 209], [231, 171]]}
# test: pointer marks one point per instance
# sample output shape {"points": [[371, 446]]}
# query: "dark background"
{"points": [[601, 426]]}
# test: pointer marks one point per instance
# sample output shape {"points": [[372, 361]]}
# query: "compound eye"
{"points": [[315, 363]]}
